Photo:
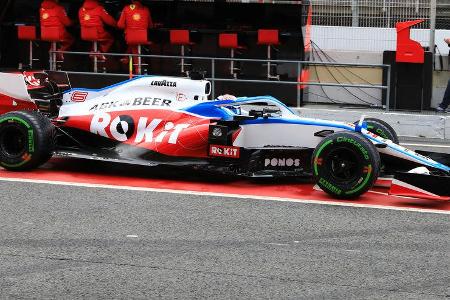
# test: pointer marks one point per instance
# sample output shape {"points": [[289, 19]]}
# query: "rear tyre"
{"points": [[27, 140], [381, 128], [345, 165]]}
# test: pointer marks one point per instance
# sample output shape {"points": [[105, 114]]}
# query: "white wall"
{"points": [[370, 39]]}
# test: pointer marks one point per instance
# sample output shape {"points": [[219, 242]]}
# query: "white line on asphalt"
{"points": [[247, 197]]}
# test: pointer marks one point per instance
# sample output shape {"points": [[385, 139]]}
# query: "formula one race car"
{"points": [[170, 121]]}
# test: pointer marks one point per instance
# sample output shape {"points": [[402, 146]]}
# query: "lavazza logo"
{"points": [[164, 83], [282, 162]]}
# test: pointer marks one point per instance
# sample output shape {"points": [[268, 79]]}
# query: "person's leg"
{"points": [[446, 100], [107, 42], [130, 49], [66, 43]]}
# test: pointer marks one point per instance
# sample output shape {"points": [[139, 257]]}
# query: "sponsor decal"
{"points": [[181, 97], [353, 142], [282, 162], [30, 141], [31, 80], [224, 151], [79, 96], [123, 128], [164, 83], [373, 135], [146, 101], [328, 185]]}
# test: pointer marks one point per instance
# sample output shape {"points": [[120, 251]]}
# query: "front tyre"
{"points": [[381, 128], [345, 165], [27, 140]]}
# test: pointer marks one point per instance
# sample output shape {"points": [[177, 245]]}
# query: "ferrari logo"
{"points": [[136, 17], [87, 17], [45, 16], [132, 6]]}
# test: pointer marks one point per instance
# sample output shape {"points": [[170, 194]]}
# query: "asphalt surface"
{"points": [[59, 242]]}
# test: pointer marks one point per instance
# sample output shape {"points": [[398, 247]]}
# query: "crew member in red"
{"points": [[52, 14], [134, 16], [93, 14]]}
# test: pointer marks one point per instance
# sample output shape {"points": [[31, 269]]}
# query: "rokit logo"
{"points": [[224, 151], [123, 128], [164, 83], [282, 162]]}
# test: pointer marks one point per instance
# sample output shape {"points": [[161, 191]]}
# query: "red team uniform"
{"points": [[92, 14], [135, 16], [54, 15]]}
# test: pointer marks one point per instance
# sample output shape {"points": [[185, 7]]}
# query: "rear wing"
{"points": [[14, 86]]}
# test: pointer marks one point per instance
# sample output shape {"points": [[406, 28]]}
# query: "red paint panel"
{"points": [[8, 104], [191, 141]]}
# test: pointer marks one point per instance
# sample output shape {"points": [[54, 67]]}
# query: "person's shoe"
{"points": [[440, 109], [100, 57]]}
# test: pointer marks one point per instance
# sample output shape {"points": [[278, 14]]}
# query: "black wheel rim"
{"points": [[343, 165], [13, 141]]}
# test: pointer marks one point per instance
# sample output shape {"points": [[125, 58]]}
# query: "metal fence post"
{"points": [[95, 57], [432, 26], [213, 80], [31, 55], [299, 72], [388, 89], [139, 62], [50, 58], [52, 55], [355, 13]]}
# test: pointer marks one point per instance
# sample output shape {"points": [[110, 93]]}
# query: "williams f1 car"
{"points": [[153, 120]]}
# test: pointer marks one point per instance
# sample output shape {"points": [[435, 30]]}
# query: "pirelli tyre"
{"points": [[27, 140], [381, 128], [345, 165]]}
